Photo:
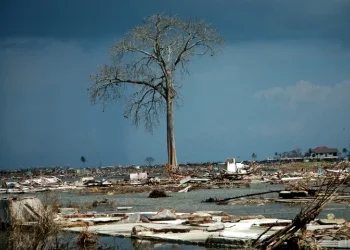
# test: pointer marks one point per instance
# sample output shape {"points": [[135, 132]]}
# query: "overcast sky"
{"points": [[282, 81]]}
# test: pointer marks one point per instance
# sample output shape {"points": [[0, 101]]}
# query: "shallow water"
{"points": [[191, 202]]}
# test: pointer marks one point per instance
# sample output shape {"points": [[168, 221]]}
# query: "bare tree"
{"points": [[298, 151], [144, 65], [149, 160]]}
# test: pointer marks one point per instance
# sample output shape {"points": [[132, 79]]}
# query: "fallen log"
{"points": [[241, 196]]}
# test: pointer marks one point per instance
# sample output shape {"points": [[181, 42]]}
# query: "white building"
{"points": [[324, 153]]}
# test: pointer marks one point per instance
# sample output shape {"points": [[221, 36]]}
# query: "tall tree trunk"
{"points": [[170, 133]]}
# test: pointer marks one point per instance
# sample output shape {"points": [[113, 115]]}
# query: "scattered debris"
{"points": [[185, 190], [164, 214], [216, 227], [288, 235], [331, 220], [133, 218], [209, 228]]}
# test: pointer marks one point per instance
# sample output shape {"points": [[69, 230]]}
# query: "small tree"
{"points": [[276, 155], [144, 65], [83, 160], [149, 160], [254, 156], [345, 151]]}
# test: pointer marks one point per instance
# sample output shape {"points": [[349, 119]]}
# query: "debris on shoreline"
{"points": [[209, 228]]}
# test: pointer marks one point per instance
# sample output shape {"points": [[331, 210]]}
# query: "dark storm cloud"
{"points": [[240, 20]]}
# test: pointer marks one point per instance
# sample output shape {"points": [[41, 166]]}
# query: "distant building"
{"points": [[324, 153], [138, 176]]}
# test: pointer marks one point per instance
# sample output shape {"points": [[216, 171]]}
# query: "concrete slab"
{"points": [[124, 229], [25, 209], [196, 237], [242, 234], [97, 220], [234, 234], [172, 222]]}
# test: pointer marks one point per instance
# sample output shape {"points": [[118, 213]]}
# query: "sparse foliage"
{"points": [[143, 70], [149, 160]]}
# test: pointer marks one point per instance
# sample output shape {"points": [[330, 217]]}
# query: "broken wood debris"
{"points": [[288, 235]]}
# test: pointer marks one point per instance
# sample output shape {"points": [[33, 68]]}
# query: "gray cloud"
{"points": [[307, 93]]}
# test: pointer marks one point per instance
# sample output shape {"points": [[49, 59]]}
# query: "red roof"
{"points": [[321, 148], [324, 149]]}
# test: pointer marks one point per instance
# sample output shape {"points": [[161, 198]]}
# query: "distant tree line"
{"points": [[295, 153]]}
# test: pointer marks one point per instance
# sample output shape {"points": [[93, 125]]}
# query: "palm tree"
{"points": [[83, 160], [254, 156]]}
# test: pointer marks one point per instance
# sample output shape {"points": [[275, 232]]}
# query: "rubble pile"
{"points": [[207, 228]]}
